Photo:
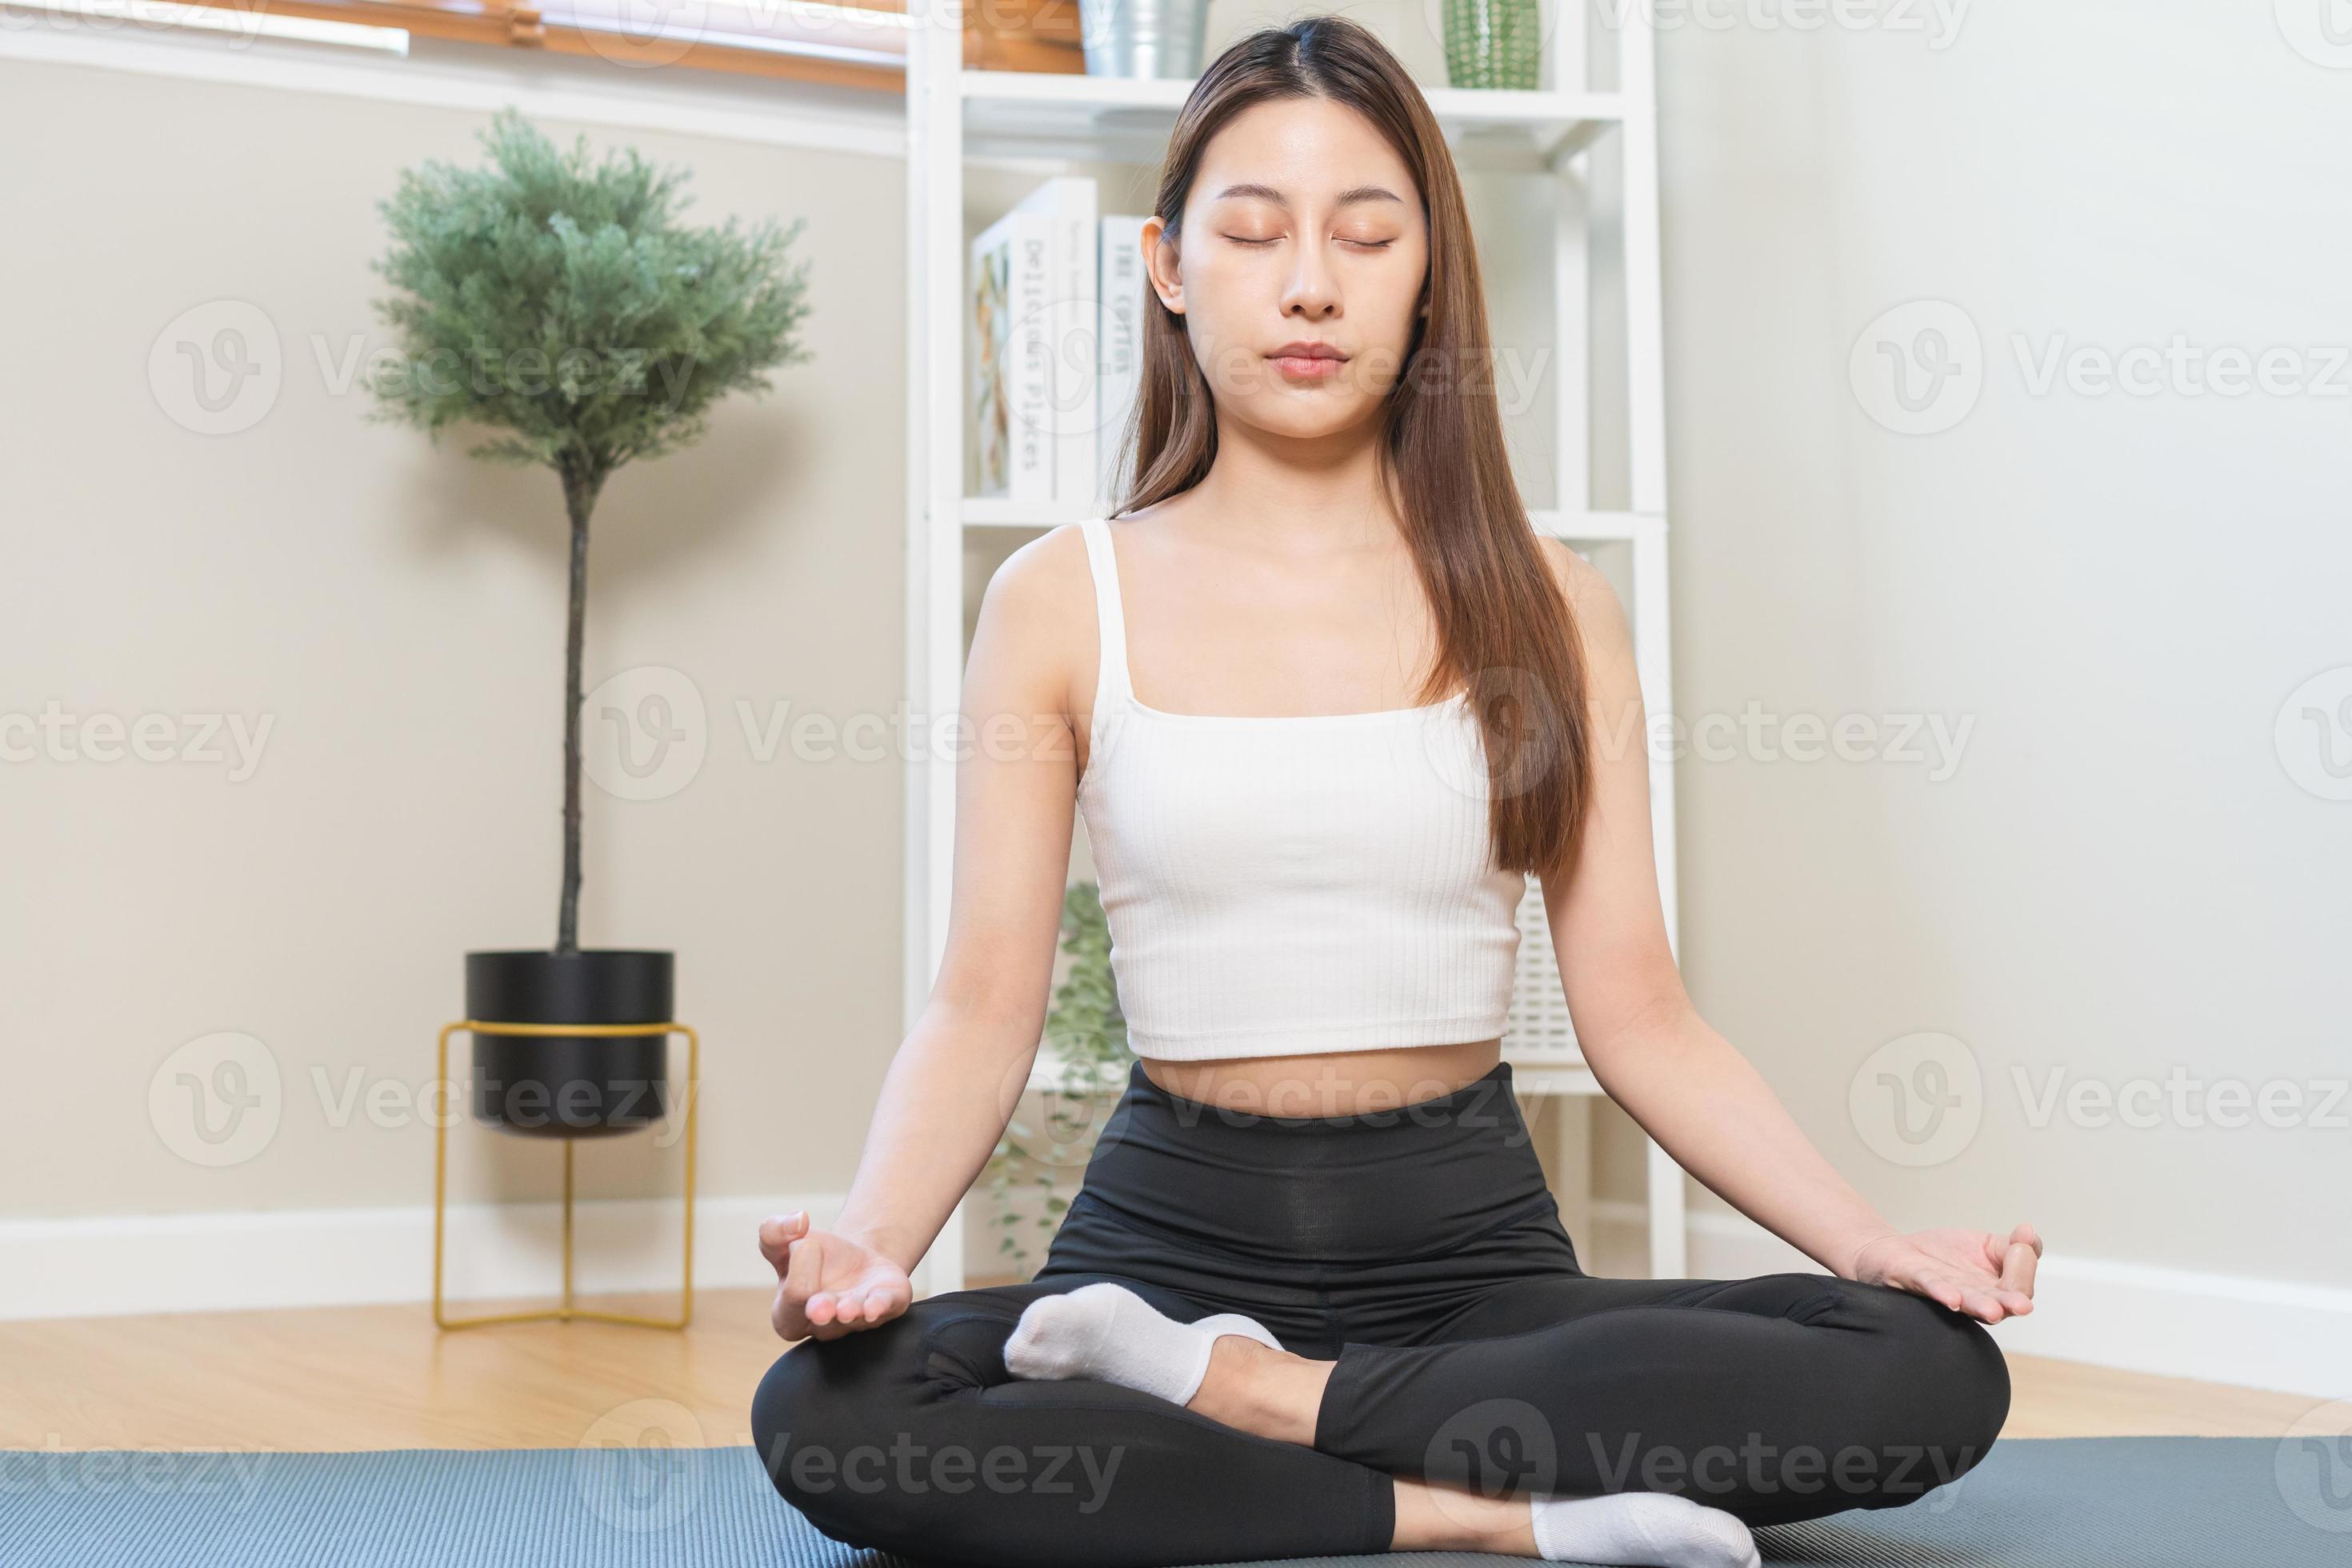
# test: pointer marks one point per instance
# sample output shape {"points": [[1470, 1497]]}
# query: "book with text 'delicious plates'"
{"points": [[1069, 205], [1010, 348]]}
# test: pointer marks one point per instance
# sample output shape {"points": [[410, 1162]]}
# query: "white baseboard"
{"points": [[111, 1266], [2175, 1322]]}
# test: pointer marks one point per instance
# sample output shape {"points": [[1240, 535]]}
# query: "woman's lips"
{"points": [[1304, 367]]}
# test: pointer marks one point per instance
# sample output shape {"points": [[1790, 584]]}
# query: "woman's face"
{"points": [[1302, 227]]}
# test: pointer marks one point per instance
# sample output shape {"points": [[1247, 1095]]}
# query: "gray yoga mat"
{"points": [[2056, 1502]]}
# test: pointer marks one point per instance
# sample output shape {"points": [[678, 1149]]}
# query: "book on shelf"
{"points": [[1010, 355], [1067, 204], [1120, 336], [1055, 329]]}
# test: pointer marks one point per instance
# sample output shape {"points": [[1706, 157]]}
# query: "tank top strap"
{"points": [[1112, 680]]}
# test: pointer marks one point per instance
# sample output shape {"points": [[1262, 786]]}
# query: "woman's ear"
{"points": [[1159, 264]]}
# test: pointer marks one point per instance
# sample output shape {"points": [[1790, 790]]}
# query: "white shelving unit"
{"points": [[1036, 120]]}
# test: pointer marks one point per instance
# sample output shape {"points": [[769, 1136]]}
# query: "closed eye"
{"points": [[1361, 244]]}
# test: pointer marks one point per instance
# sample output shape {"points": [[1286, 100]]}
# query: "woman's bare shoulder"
{"points": [[1049, 580], [1037, 612], [1044, 571], [1593, 606], [1578, 578]]}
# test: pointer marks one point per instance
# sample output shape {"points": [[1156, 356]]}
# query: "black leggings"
{"points": [[1420, 1249]]}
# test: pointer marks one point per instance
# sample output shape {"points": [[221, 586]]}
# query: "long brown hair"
{"points": [[1504, 628]]}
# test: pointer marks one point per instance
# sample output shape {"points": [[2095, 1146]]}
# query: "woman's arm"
{"points": [[953, 1083], [1680, 1080]]}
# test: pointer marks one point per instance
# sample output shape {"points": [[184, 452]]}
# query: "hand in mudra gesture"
{"points": [[1973, 1271], [827, 1284]]}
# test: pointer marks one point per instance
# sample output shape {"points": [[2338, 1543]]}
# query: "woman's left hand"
{"points": [[1972, 1271]]}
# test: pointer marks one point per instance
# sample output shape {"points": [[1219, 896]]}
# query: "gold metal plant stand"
{"points": [[567, 1312]]}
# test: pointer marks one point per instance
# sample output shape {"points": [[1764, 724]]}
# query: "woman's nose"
{"points": [[1311, 287]]}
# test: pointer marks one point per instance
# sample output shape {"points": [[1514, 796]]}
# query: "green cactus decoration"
{"points": [[1496, 42]]}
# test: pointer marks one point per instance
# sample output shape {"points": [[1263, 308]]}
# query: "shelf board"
{"points": [[1069, 114], [1029, 516], [1576, 526], [1586, 527]]}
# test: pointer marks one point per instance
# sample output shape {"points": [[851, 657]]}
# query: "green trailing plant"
{"points": [[561, 301], [1085, 1038]]}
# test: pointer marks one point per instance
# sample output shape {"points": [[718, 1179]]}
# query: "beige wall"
{"points": [[396, 612]]}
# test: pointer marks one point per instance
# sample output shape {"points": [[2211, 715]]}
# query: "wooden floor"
{"points": [[383, 1377]]}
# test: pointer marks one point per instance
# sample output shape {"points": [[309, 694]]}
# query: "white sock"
{"points": [[1107, 1330], [1654, 1529]]}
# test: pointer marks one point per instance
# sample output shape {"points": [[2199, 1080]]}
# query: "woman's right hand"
{"points": [[827, 1284]]}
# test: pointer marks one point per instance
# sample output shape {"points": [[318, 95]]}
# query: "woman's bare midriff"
{"points": [[1335, 1083]]}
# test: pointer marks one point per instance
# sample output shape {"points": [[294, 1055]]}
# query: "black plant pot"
{"points": [[570, 1086]]}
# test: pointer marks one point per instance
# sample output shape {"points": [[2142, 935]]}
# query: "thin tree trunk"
{"points": [[580, 488]]}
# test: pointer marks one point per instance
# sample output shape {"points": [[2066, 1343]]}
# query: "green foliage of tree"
{"points": [[559, 300]]}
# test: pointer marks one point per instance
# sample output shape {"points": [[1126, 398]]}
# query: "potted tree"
{"points": [[561, 302]]}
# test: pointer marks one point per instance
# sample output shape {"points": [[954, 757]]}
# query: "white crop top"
{"points": [[1284, 885]]}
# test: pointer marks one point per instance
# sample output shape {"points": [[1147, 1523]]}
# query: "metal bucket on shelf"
{"points": [[1165, 38]]}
